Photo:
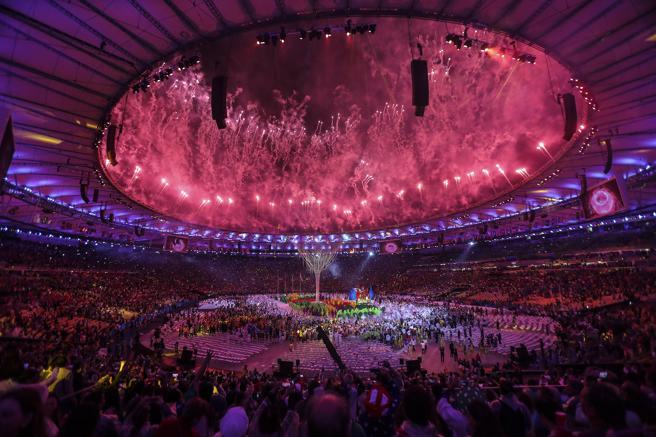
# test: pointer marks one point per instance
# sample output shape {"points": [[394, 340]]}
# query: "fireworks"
{"points": [[164, 183], [332, 156], [543, 149], [504, 174], [522, 172]]}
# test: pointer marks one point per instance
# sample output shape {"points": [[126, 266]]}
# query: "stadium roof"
{"points": [[64, 65]]}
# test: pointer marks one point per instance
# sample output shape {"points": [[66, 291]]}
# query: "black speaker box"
{"points": [[286, 368], [609, 155], [7, 145], [111, 144], [419, 72], [413, 366], [571, 119], [83, 192], [219, 93]]}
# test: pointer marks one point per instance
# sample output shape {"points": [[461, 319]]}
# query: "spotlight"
{"points": [[302, 33], [526, 58], [484, 47], [282, 35], [348, 28], [372, 28], [263, 39], [327, 32], [135, 88], [468, 43], [454, 39]]}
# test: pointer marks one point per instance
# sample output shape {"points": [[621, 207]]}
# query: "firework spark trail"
{"points": [[267, 149], [503, 173], [503, 85]]}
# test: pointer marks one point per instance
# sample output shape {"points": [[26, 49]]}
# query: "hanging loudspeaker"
{"points": [[571, 119], [584, 190], [96, 194], [7, 145], [219, 92], [111, 144], [83, 192], [419, 72], [609, 154]]}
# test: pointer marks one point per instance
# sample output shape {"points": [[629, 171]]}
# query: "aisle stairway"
{"points": [[358, 355], [228, 348]]}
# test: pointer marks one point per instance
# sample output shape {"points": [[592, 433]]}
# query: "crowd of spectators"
{"points": [[70, 364]]}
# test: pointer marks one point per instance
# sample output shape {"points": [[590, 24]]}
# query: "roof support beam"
{"points": [[543, 6], [582, 26], [52, 77], [52, 90], [280, 4], [647, 51], [475, 9], [62, 54], [143, 43], [505, 12], [43, 114], [91, 29], [43, 105], [163, 30], [617, 44], [183, 17], [568, 14], [217, 14], [76, 43], [596, 40], [247, 6], [649, 75], [444, 7]]}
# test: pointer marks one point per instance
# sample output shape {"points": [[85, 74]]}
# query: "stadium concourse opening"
{"points": [[327, 218]]}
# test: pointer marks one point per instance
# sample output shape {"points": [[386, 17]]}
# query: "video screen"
{"points": [[602, 200]]}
